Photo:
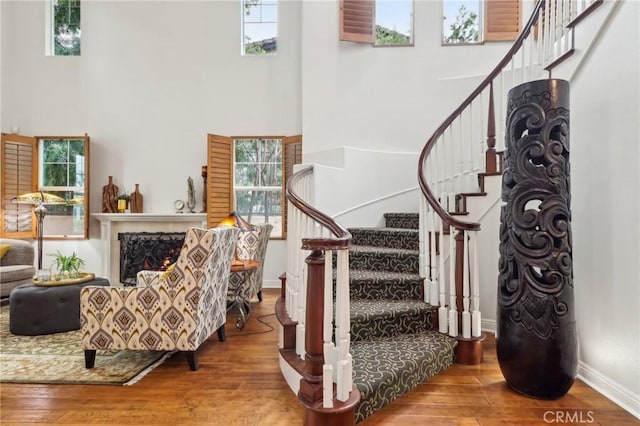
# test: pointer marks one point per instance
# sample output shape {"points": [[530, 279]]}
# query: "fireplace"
{"points": [[153, 251]]}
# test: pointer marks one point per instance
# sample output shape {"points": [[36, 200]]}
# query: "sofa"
{"points": [[16, 264]]}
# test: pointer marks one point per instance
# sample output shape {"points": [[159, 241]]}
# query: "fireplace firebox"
{"points": [[151, 251]]}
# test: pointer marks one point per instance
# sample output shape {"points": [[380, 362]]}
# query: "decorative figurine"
{"points": [[191, 199]]}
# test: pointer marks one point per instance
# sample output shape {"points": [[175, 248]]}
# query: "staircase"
{"points": [[393, 344], [395, 305]]}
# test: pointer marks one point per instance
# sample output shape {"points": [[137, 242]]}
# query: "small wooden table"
{"points": [[243, 268]]}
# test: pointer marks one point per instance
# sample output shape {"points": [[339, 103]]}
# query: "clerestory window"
{"points": [[476, 21], [378, 22], [248, 175], [62, 20], [259, 27], [55, 166]]}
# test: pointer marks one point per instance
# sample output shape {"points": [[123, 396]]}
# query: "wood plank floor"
{"points": [[239, 383]]}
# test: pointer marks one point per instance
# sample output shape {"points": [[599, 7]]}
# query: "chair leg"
{"points": [[222, 336], [260, 296], [89, 358], [193, 360]]}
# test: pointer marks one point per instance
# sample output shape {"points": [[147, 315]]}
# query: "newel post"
{"points": [[310, 392], [537, 343], [311, 386]]}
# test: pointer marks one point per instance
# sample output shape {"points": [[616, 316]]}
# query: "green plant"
{"points": [[67, 266]]}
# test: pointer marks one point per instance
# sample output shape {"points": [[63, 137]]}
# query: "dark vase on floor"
{"points": [[536, 339]]}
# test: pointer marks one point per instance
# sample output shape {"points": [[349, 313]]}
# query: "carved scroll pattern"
{"points": [[535, 264]]}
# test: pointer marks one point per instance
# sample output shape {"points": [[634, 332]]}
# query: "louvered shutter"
{"points": [[502, 20], [292, 156], [357, 20], [219, 179], [19, 175]]}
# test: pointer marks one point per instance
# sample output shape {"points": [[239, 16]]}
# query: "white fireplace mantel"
{"points": [[113, 223]]}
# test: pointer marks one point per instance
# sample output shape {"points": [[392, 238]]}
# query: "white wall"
{"points": [[153, 79], [156, 77], [605, 177]]}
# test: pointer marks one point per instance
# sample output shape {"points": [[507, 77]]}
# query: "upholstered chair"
{"points": [[252, 245], [166, 311]]}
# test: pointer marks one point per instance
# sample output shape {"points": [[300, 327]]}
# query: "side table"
{"points": [[36, 310], [239, 297]]}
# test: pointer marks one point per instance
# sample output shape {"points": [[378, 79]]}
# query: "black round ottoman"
{"points": [[35, 310]]}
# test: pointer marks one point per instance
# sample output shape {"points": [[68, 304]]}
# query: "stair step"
{"points": [[376, 285], [385, 237], [384, 259], [385, 369], [373, 319], [402, 220]]}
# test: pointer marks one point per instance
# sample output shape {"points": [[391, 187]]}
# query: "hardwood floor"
{"points": [[239, 383]]}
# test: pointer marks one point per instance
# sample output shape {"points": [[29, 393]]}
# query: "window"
{"points": [[475, 21], [379, 22], [53, 165], [62, 18], [248, 175], [259, 27]]}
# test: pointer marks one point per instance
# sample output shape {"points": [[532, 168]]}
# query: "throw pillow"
{"points": [[4, 248]]}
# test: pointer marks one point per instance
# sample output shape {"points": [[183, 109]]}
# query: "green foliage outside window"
{"points": [[465, 29], [63, 172], [66, 27], [385, 36], [258, 178]]}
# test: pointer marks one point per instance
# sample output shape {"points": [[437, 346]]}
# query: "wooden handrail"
{"points": [[431, 142], [342, 238]]}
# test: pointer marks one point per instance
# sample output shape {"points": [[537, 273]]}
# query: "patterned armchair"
{"points": [[252, 245], [165, 311]]}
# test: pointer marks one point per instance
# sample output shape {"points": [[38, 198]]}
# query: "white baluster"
{"points": [[466, 315], [453, 312], [476, 319], [344, 380], [442, 310]]}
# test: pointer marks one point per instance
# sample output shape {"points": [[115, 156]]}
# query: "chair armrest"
{"points": [[148, 278]]}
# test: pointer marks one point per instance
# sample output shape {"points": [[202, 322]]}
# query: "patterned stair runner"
{"points": [[392, 342]]}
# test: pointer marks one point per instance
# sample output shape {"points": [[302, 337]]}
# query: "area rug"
{"points": [[59, 358]]}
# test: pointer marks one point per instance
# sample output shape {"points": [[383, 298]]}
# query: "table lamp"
{"points": [[235, 220], [39, 199]]}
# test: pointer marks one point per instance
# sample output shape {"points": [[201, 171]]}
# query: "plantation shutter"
{"points": [[219, 179], [357, 21], [19, 175], [292, 155], [502, 20]]}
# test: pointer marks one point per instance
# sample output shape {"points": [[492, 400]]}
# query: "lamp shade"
{"points": [[235, 220], [38, 198]]}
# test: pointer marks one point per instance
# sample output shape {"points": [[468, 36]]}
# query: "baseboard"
{"points": [[610, 389], [488, 325], [270, 283]]}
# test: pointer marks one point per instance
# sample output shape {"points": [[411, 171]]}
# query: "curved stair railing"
{"points": [[322, 336], [465, 149]]}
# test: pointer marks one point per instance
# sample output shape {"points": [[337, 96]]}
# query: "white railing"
{"points": [[317, 233], [468, 143]]}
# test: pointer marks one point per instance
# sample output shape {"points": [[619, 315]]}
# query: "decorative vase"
{"points": [[109, 196], [536, 339], [135, 201]]}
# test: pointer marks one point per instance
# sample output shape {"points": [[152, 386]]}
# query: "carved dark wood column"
{"points": [[537, 344]]}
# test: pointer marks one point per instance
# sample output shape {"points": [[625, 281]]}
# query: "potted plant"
{"points": [[67, 266]]}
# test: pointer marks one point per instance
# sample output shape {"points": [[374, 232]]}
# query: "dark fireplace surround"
{"points": [[151, 251]]}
